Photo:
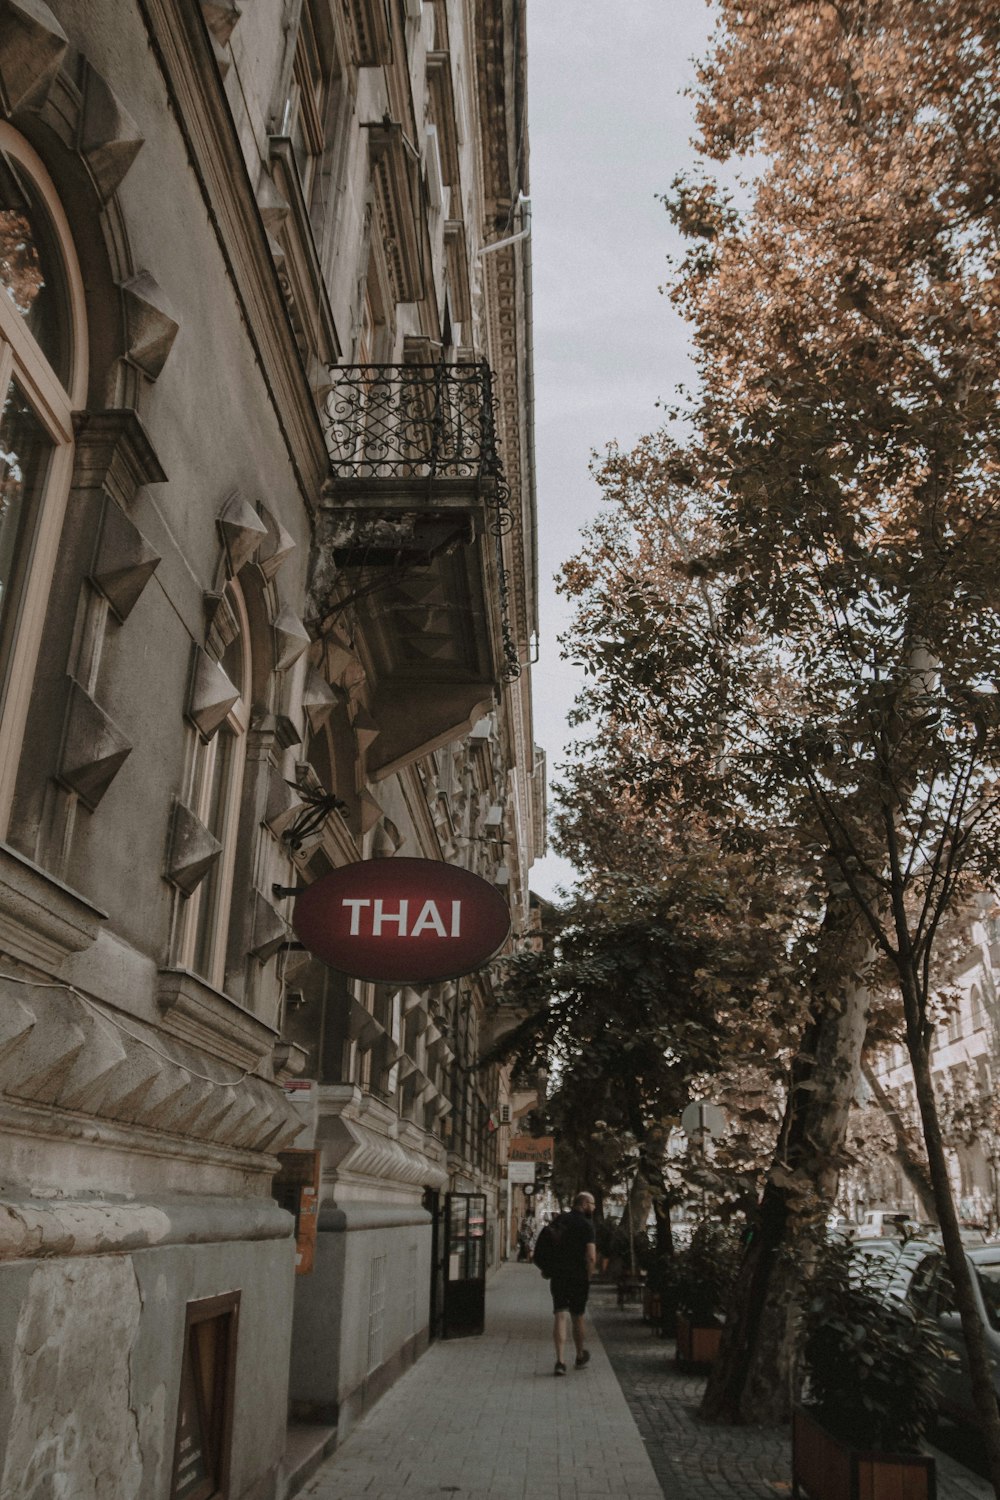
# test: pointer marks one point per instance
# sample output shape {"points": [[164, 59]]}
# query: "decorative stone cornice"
{"points": [[356, 1151], [208, 1019], [42, 921], [60, 1050], [442, 109], [369, 32]]}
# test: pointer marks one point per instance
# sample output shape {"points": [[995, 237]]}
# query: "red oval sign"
{"points": [[402, 919]]}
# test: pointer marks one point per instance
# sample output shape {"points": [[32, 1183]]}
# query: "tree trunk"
{"points": [[755, 1376], [980, 1372], [914, 1170]]}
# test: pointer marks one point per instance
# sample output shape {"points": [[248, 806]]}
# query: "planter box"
{"points": [[824, 1468], [651, 1306], [697, 1344]]}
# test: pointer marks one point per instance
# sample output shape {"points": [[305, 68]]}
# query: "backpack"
{"points": [[547, 1245]]}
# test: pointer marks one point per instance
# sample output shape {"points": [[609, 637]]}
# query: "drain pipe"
{"points": [[524, 204]]}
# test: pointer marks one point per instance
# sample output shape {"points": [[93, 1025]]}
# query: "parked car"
{"points": [[930, 1290], [840, 1226], [879, 1223]]}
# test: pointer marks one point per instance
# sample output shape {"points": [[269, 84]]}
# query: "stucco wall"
{"points": [[90, 1357]]}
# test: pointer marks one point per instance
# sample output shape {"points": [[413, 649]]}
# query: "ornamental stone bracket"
{"points": [[42, 921], [152, 327], [109, 137], [212, 695], [192, 850], [242, 530], [32, 48], [94, 748], [209, 1020], [125, 561]]}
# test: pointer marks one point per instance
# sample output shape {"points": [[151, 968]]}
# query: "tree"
{"points": [[640, 989], [843, 448]]}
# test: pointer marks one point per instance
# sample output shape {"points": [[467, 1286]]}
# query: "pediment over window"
{"points": [[368, 24], [397, 224]]}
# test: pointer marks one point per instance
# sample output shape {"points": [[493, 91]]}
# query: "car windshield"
{"points": [[989, 1285]]}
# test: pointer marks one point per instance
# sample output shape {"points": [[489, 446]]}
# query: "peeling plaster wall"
{"points": [[90, 1360], [75, 1434]]}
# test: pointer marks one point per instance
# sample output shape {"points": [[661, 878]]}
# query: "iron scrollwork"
{"points": [[424, 422]]}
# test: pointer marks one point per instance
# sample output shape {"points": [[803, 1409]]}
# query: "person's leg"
{"points": [[578, 1336], [560, 1324]]}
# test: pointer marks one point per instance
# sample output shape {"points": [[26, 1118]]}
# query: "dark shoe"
{"points": [[582, 1359], [560, 1368]]}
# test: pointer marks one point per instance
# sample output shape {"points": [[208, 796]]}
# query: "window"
{"points": [[305, 107], [205, 1404], [216, 793], [43, 372]]}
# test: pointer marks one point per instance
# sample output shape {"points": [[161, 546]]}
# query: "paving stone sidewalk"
{"points": [[484, 1419]]}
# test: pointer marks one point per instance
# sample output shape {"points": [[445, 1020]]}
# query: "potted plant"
{"points": [[702, 1279], [870, 1363]]}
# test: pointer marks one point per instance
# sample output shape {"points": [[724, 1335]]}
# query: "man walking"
{"points": [[574, 1263]]}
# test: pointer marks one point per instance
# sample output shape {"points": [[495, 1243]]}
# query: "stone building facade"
{"points": [[267, 604]]}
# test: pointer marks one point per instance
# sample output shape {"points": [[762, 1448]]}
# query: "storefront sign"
{"points": [[520, 1171], [537, 1148], [413, 920]]}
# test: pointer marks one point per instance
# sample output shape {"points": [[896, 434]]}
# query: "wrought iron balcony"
{"points": [[412, 422]]}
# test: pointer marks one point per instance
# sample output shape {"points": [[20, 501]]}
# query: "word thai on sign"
{"points": [[402, 919]]}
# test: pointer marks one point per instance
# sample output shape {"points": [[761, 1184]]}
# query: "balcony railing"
{"points": [[412, 422]]}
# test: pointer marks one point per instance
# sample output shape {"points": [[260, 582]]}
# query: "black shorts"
{"points": [[569, 1293]]}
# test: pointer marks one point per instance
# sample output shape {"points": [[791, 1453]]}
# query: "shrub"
{"points": [[871, 1361]]}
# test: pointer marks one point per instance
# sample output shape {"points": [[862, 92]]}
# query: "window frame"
{"points": [[53, 404], [217, 886]]}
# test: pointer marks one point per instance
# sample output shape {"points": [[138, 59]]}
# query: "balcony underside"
{"points": [[422, 581]]}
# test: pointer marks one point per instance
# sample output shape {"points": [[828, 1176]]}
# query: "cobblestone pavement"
{"points": [[694, 1461], [691, 1461]]}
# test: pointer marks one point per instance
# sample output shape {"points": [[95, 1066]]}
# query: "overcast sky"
{"points": [[610, 128]]}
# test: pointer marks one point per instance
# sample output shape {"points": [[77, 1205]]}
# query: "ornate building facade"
{"points": [[267, 608]]}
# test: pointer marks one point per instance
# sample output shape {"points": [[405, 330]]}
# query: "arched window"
{"points": [[216, 790], [43, 379]]}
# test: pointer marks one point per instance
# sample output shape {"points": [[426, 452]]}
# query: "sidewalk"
{"points": [[484, 1419]]}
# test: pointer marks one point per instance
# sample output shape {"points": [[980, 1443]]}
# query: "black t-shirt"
{"points": [[577, 1234]]}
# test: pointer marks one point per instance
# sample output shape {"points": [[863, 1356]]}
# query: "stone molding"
{"points": [[360, 1139], [75, 1066], [209, 1020], [42, 921], [113, 453], [39, 1228]]}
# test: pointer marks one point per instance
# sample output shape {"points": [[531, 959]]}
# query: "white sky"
{"points": [[609, 130]]}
